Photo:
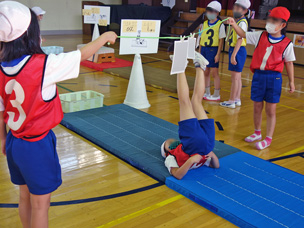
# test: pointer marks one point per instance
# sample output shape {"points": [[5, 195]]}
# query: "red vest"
{"points": [[269, 56], [26, 113], [181, 157]]}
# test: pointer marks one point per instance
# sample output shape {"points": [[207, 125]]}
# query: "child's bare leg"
{"points": [[214, 163], [271, 118], [40, 208], [207, 80], [198, 93], [25, 210], [217, 81], [234, 85], [238, 94], [257, 114], [185, 106]]}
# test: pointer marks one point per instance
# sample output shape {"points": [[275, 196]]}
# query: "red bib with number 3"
{"points": [[26, 113], [269, 56]]}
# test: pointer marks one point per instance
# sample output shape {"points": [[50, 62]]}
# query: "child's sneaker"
{"points": [[264, 144], [253, 137], [206, 95], [238, 103], [227, 104], [200, 61], [213, 98]]}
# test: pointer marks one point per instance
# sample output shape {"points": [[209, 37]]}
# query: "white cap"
{"points": [[15, 19], [215, 5], [162, 150], [245, 3], [38, 11]]}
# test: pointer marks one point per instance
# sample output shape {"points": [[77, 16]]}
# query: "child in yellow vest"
{"points": [[211, 44], [237, 53]]}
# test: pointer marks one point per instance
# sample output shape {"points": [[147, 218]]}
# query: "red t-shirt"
{"points": [[26, 113], [269, 56]]}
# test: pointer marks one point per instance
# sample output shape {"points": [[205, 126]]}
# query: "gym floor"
{"points": [[100, 190]]}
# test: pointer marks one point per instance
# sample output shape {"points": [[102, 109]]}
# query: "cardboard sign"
{"points": [[140, 31], [96, 14], [179, 62]]}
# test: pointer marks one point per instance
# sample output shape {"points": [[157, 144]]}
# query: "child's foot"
{"points": [[213, 98], [228, 104], [253, 137], [206, 95], [264, 144], [200, 61], [238, 103]]}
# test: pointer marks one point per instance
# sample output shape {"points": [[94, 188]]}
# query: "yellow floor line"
{"points": [[291, 152], [141, 212]]}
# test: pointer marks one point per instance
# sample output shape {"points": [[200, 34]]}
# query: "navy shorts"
{"points": [[197, 136], [240, 59], [35, 164], [266, 86], [209, 53]]}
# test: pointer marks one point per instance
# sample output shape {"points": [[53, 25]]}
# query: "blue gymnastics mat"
{"points": [[247, 191], [131, 135]]}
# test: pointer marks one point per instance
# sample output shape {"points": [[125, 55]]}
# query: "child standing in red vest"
{"points": [[30, 107], [273, 51]]}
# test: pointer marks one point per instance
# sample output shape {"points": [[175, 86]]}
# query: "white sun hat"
{"points": [[215, 5], [38, 11], [245, 3], [15, 18], [162, 150]]}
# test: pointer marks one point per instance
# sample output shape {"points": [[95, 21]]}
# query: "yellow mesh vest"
{"points": [[233, 35], [210, 37]]}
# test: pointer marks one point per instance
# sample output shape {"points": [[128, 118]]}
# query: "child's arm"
{"points": [[290, 73], [237, 28], [3, 133], [236, 50], [219, 50], [91, 48], [180, 172]]}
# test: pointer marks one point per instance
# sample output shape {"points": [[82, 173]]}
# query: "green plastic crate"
{"points": [[83, 100]]}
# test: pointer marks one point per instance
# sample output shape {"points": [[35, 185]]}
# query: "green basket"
{"points": [[83, 100]]}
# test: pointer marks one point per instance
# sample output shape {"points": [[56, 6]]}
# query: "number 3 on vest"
{"points": [[11, 86]]}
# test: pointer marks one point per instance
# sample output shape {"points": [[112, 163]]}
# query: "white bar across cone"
{"points": [[136, 94]]}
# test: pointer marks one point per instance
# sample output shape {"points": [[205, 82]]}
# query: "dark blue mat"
{"points": [[247, 191], [130, 134]]}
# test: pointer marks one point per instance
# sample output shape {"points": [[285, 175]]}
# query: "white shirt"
{"points": [[58, 68], [171, 162], [243, 26], [254, 37]]}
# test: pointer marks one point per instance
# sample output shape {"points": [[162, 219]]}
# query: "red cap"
{"points": [[280, 12]]}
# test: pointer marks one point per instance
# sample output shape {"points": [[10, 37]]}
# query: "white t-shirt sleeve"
{"points": [[222, 32], [2, 108], [253, 37], [289, 55], [171, 162], [59, 68], [243, 26]]}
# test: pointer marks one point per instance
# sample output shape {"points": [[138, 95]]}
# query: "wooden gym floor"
{"points": [[88, 171]]}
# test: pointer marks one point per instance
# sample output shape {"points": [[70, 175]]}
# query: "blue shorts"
{"points": [[35, 164], [209, 53], [240, 59], [197, 136], [266, 86]]}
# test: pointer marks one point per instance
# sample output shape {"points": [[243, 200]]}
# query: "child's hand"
{"points": [[3, 150], [292, 87], [110, 36], [230, 21], [217, 59], [196, 158], [233, 61]]}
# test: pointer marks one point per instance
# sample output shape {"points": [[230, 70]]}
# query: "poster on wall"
{"points": [[298, 40], [139, 30], [96, 14]]}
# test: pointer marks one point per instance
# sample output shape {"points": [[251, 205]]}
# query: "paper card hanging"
{"points": [[179, 62]]}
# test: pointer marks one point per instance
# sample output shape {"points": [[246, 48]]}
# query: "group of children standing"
{"points": [[273, 50]]}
